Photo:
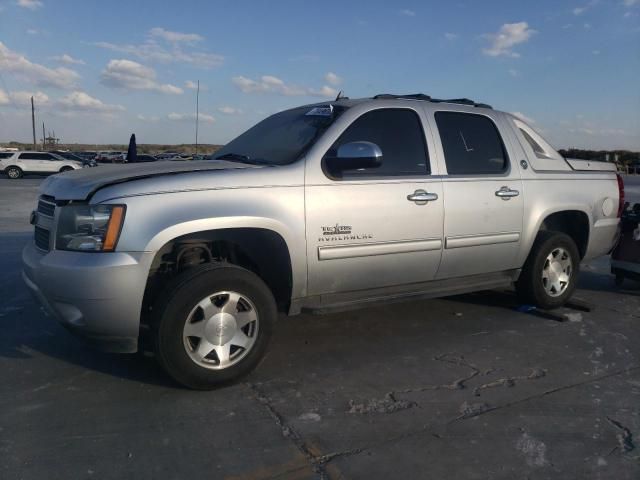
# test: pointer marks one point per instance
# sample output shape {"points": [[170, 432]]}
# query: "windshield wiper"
{"points": [[236, 157]]}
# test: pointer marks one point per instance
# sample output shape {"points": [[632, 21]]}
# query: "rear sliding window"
{"points": [[471, 144]]}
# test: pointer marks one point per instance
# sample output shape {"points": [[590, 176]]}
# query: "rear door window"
{"points": [[471, 143], [34, 156]]}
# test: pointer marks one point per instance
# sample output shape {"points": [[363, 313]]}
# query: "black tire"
{"points": [[65, 169], [530, 286], [13, 172], [618, 279], [181, 296]]}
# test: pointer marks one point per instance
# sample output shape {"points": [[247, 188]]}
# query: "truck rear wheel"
{"points": [[212, 325], [550, 274]]}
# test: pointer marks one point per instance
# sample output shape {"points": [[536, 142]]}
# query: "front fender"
{"points": [[154, 220]]}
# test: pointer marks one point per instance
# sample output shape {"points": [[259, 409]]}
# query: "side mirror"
{"points": [[354, 156]]}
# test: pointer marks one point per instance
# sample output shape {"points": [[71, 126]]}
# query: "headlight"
{"points": [[89, 228]]}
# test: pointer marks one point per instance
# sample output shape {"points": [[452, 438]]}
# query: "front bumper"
{"points": [[95, 295]]}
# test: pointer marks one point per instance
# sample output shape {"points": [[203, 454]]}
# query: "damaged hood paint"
{"points": [[81, 184]]}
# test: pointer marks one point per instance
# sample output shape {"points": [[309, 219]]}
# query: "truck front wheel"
{"points": [[212, 325], [550, 274]]}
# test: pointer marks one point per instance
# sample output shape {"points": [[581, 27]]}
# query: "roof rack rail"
{"points": [[427, 98], [412, 96], [462, 101]]}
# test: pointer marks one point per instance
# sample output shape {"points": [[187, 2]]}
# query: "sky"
{"points": [[99, 71]]}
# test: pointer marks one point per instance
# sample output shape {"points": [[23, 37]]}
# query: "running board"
{"points": [[345, 301]]}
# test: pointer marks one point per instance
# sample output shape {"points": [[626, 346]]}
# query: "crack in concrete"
{"points": [[545, 393], [535, 374], [388, 404], [458, 384], [625, 437], [317, 462]]}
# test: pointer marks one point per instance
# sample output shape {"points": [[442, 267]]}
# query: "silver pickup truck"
{"points": [[319, 208]]}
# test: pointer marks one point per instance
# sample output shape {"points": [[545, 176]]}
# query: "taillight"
{"points": [[620, 195]]}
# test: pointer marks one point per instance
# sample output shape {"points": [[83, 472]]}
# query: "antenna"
{"points": [[33, 123], [197, 113], [339, 96]]}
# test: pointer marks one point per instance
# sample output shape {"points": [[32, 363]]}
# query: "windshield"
{"points": [[281, 138]]}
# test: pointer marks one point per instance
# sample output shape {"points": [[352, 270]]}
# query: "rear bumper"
{"points": [[95, 295]]}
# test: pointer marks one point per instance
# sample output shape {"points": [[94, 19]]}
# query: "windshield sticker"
{"points": [[323, 111]]}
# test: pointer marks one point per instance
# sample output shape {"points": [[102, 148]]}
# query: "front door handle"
{"points": [[506, 193], [421, 197]]}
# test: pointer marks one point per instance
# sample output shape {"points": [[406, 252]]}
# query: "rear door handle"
{"points": [[506, 193], [421, 197]]}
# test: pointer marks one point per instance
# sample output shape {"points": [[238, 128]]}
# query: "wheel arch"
{"points": [[573, 221], [262, 251]]}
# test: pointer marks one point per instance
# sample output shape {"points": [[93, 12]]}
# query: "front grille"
{"points": [[46, 206], [41, 237]]}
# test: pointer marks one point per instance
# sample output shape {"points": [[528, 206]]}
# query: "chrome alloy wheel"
{"points": [[221, 330], [13, 173], [557, 271]]}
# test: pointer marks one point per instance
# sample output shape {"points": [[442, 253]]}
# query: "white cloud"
{"points": [[4, 97], [23, 98], [596, 52], [332, 79], [32, 31], [78, 101], [191, 85], [230, 110], [450, 36], [407, 13], [587, 26], [509, 35], [68, 59], [130, 75], [523, 117], [630, 3], [144, 118], [175, 37], [19, 65], [271, 84], [176, 49], [186, 117], [513, 72], [583, 8], [30, 4]]}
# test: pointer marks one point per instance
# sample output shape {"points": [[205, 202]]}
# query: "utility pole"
{"points": [[33, 123], [197, 113], [43, 136]]}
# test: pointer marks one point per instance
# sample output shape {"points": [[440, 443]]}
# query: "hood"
{"points": [[81, 184]]}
